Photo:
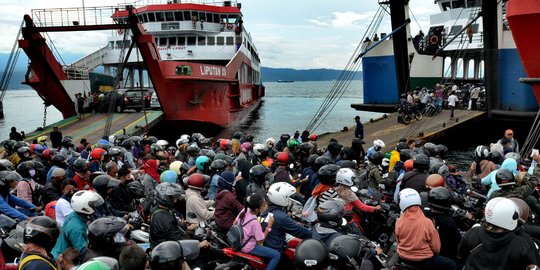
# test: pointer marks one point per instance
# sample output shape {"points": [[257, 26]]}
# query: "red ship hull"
{"points": [[524, 19]]}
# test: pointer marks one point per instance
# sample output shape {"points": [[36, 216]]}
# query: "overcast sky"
{"points": [[300, 34]]}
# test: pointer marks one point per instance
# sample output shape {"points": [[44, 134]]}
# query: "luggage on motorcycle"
{"points": [[235, 236], [362, 179]]}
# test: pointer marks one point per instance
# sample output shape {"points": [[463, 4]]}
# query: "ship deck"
{"points": [[390, 131], [91, 125]]}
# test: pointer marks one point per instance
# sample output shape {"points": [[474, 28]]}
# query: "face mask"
{"points": [[32, 173]]}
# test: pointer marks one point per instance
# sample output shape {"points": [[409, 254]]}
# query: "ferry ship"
{"points": [[457, 38], [197, 55]]}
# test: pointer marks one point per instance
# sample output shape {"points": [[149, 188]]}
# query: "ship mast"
{"points": [[491, 52]]}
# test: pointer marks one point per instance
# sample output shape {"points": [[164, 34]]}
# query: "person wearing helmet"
{"points": [[440, 201], [82, 174], [325, 190], [53, 189], [311, 254], [270, 145], [203, 164], [172, 254], [40, 235], [481, 166], [217, 167], [106, 237], [378, 145], [332, 151], [63, 205], [97, 156], [309, 177], [75, 229], [121, 198], [282, 143], [252, 230], [418, 241], [26, 187], [331, 222], [506, 181], [195, 202], [224, 146], [67, 148], [494, 244], [8, 202], [282, 173], [345, 179], [358, 148], [349, 252], [260, 177], [151, 176], [490, 179], [278, 196], [105, 185], [416, 179], [374, 172], [227, 204]]}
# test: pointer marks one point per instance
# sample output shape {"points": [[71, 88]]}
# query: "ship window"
{"points": [[110, 45], [172, 41], [459, 68], [224, 18], [119, 44], [230, 41], [220, 40], [216, 18], [191, 41], [184, 70], [211, 41], [151, 17], [178, 16], [470, 69], [232, 18], [169, 16], [481, 70], [473, 3], [455, 29], [447, 67], [145, 17], [445, 6], [210, 17], [162, 41], [475, 28], [187, 15], [458, 4], [202, 16], [201, 41], [160, 17], [182, 41], [170, 26], [140, 17]]}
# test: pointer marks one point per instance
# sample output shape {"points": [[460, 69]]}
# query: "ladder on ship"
{"points": [[8, 70]]}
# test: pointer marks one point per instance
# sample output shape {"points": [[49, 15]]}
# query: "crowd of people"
{"points": [[77, 199]]}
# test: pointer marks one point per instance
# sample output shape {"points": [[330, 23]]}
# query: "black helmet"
{"points": [[167, 255], [167, 192], [434, 166], [376, 158], [5, 165], [405, 154], [334, 148], [249, 138], [481, 152], [209, 153], [421, 162], [311, 159], [439, 198], [321, 161], [311, 254], [151, 140], [24, 169], [348, 164], [80, 165], [103, 182], [42, 231], [114, 151], [205, 142], [9, 144], [197, 138], [331, 212], [136, 189], [284, 137], [127, 143], [24, 152], [505, 178], [120, 138], [258, 174], [104, 232], [218, 166], [401, 146], [305, 148], [347, 250], [193, 149], [327, 174], [59, 160], [429, 149], [357, 143], [237, 135], [20, 144], [67, 141], [347, 153], [441, 150]]}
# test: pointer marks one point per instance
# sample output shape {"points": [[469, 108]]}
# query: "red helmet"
{"points": [[408, 165], [97, 153], [196, 180], [224, 144], [313, 137], [435, 180], [283, 158]]}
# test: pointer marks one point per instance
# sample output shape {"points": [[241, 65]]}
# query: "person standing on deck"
{"points": [[509, 134], [80, 105], [452, 100], [14, 135], [56, 137], [359, 131]]}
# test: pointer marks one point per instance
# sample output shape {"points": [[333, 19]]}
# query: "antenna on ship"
{"points": [[8, 71]]}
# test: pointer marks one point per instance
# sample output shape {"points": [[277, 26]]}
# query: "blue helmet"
{"points": [[202, 163], [168, 176]]}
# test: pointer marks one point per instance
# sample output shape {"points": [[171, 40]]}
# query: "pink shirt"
{"points": [[23, 189], [250, 228]]}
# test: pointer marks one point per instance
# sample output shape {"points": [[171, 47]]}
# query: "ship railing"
{"points": [[54, 17], [76, 73], [91, 60], [142, 3]]}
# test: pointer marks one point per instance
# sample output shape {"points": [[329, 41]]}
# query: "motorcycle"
{"points": [[10, 248], [408, 112]]}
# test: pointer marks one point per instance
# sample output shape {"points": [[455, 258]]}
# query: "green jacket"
{"points": [[74, 234]]}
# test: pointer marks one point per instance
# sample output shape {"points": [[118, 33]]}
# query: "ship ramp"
{"points": [[390, 131], [91, 126]]}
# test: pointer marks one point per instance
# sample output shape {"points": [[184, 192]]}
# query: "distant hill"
{"points": [[289, 74]]}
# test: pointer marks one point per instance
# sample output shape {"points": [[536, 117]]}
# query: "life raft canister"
{"points": [[434, 40]]}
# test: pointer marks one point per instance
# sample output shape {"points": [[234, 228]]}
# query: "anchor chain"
{"points": [[44, 115]]}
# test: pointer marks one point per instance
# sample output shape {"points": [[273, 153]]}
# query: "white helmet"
{"points": [[513, 155], [409, 197], [270, 142], [345, 176], [502, 212], [279, 193], [162, 143], [85, 202], [259, 148], [175, 166], [378, 143], [111, 138]]}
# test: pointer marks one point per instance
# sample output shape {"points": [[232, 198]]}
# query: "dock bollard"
{"points": [[443, 125]]}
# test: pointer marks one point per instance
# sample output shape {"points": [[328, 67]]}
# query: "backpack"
{"points": [[235, 235], [362, 179], [37, 194]]}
